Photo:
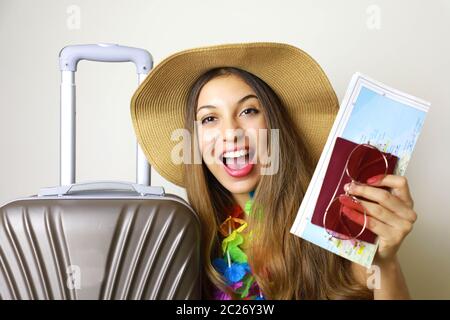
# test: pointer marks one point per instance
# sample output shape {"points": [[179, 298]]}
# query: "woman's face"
{"points": [[229, 116]]}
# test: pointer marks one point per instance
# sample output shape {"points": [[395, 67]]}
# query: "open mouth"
{"points": [[238, 163]]}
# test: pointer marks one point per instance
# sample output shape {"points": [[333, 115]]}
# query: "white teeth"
{"points": [[235, 154]]}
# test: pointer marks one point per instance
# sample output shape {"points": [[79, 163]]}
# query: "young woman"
{"points": [[229, 98]]}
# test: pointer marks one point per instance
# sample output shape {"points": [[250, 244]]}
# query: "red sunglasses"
{"points": [[363, 162]]}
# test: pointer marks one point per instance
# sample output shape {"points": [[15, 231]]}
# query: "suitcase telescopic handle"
{"points": [[68, 59], [71, 55]]}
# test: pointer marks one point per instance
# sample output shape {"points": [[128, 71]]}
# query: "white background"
{"points": [[403, 43]]}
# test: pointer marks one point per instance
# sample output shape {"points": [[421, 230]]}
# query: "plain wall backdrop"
{"points": [[403, 43]]}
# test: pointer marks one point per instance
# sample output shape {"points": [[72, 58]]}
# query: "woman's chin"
{"points": [[237, 183]]}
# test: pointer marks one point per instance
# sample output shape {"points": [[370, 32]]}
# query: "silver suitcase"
{"points": [[104, 239]]}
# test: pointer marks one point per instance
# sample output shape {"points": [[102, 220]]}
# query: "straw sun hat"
{"points": [[157, 106]]}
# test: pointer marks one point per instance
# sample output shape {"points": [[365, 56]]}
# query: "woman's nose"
{"points": [[231, 130]]}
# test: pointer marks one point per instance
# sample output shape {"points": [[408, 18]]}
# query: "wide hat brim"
{"points": [[157, 106]]}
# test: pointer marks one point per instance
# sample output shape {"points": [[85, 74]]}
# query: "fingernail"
{"points": [[347, 187], [344, 199], [374, 179], [353, 215], [351, 203]]}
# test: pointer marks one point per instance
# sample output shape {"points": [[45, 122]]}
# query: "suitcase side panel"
{"points": [[129, 249]]}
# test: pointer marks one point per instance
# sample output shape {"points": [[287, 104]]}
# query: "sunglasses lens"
{"points": [[364, 162], [345, 222]]}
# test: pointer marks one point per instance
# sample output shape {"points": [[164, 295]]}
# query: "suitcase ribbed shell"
{"points": [[131, 248]]}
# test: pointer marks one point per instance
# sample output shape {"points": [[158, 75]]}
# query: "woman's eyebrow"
{"points": [[239, 102]]}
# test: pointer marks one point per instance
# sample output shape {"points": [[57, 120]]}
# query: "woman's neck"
{"points": [[241, 199]]}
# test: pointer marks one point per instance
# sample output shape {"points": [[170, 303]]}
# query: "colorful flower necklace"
{"points": [[234, 265]]}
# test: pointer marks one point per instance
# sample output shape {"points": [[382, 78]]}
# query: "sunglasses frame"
{"points": [[354, 199]]}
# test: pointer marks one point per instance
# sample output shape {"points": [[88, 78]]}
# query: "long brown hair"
{"points": [[284, 265]]}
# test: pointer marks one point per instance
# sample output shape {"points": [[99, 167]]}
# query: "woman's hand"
{"points": [[391, 217]]}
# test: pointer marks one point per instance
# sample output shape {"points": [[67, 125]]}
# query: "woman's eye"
{"points": [[207, 120], [250, 111]]}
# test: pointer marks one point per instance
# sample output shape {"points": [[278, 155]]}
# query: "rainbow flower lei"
{"points": [[234, 265]]}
